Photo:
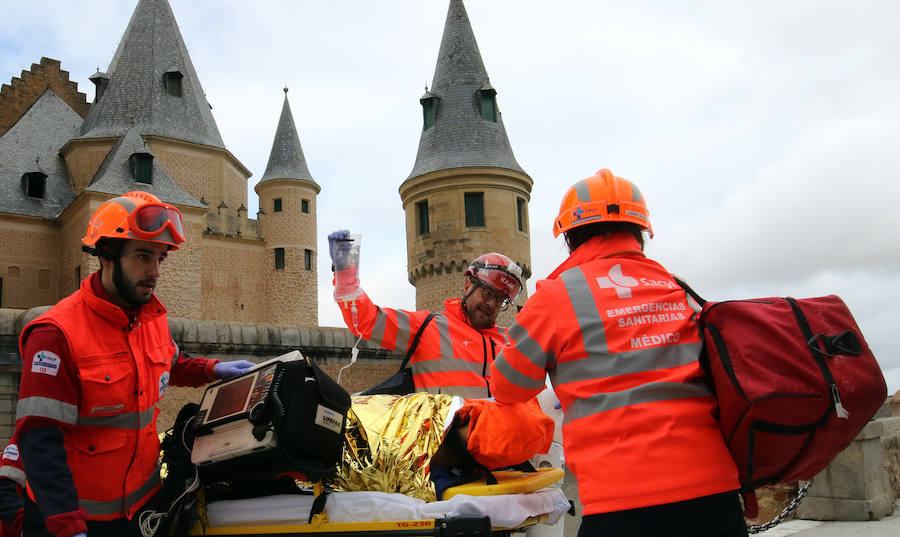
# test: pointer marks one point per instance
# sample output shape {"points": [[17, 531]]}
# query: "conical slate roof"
{"points": [[286, 160], [460, 137], [151, 47]]}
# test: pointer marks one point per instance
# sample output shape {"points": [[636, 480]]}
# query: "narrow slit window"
{"points": [[422, 216], [307, 259], [276, 205], [279, 258], [304, 206], [488, 103], [521, 215]]}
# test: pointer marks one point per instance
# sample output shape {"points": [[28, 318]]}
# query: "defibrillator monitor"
{"points": [[234, 416]]}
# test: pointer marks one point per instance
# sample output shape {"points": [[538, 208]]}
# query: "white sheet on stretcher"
{"points": [[505, 510]]}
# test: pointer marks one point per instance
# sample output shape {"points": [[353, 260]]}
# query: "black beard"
{"points": [[127, 293]]}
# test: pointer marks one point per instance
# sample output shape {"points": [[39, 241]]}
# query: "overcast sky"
{"points": [[764, 135]]}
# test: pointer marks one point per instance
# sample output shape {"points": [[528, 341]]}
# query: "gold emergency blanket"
{"points": [[390, 442]]}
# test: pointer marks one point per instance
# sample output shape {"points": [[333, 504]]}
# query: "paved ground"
{"points": [[888, 526]]}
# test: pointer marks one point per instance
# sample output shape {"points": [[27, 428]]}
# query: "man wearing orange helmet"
{"points": [[457, 347], [620, 342], [94, 368]]}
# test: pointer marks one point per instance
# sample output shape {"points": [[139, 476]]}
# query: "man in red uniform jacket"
{"points": [[93, 370], [12, 485], [457, 347], [621, 345]]}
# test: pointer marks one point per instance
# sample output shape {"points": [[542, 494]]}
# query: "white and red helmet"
{"points": [[497, 272]]}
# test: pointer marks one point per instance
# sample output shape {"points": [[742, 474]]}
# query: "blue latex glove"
{"points": [[339, 248], [227, 370]]}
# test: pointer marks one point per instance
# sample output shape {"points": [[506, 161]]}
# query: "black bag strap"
{"points": [[415, 342], [687, 289]]}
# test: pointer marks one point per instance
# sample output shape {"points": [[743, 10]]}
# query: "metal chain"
{"points": [[784, 514]]}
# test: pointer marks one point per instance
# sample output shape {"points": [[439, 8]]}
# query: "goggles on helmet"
{"points": [[151, 220], [504, 280]]}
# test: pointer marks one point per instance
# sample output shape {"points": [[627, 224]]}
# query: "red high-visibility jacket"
{"points": [[12, 485], [453, 357], [621, 345], [102, 390]]}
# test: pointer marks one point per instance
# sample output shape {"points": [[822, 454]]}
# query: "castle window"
{"points": [[521, 215], [429, 109], [304, 206], [422, 217], [488, 102], [307, 259], [35, 184], [172, 80], [474, 202], [279, 258], [141, 167], [277, 205]]}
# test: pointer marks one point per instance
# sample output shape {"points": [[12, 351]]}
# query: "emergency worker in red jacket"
{"points": [[93, 369], [459, 344], [621, 345], [12, 486]]}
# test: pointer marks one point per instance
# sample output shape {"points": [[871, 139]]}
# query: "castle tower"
{"points": [[287, 202], [466, 194], [151, 128]]}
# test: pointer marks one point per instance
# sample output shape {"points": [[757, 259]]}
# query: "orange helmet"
{"points": [[136, 215], [497, 272], [602, 198]]}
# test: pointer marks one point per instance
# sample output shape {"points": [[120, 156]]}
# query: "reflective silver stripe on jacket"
{"points": [[380, 326], [176, 354], [443, 326], [529, 348], [466, 392], [532, 351], [128, 420], [13, 473], [645, 393], [589, 320], [112, 507], [625, 363], [448, 365], [45, 407]]}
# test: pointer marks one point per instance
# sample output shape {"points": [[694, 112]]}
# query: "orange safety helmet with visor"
{"points": [[602, 198], [498, 273], [136, 215]]}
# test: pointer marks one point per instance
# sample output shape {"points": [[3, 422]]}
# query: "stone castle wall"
{"points": [[209, 174], [29, 266]]}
